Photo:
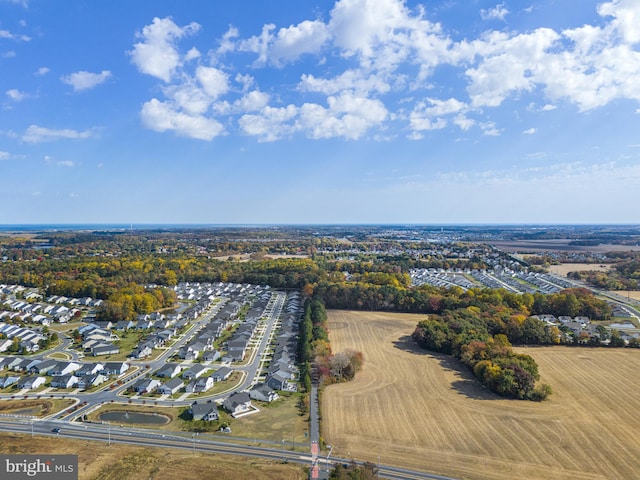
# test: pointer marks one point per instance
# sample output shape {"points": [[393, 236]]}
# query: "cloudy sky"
{"points": [[318, 111]]}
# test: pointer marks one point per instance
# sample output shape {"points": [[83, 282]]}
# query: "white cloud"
{"points": [[349, 80], [9, 54], [428, 115], [16, 95], [270, 123], [626, 15], [37, 134], [380, 48], [4, 155], [192, 54], [23, 3], [507, 65], [83, 80], [490, 129], [188, 97], [292, 42], [163, 116], [65, 163], [214, 82], [288, 44], [14, 36], [496, 13], [43, 71], [228, 41], [348, 116], [360, 26], [157, 54], [530, 131], [252, 101]]}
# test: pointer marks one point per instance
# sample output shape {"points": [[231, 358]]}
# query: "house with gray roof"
{"points": [[237, 403], [172, 386], [204, 411]]}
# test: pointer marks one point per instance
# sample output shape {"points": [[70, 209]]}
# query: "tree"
{"points": [[616, 339], [603, 333]]}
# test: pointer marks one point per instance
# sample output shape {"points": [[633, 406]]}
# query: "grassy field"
{"points": [[565, 268], [277, 421], [34, 407], [274, 422], [426, 411], [96, 461]]}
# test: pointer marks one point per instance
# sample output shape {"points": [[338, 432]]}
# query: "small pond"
{"points": [[134, 418]]}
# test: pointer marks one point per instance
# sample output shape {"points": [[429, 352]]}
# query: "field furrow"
{"points": [[426, 411]]}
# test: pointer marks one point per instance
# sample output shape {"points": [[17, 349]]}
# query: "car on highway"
{"points": [[55, 430]]}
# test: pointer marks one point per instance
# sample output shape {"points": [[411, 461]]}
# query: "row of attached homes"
{"points": [[63, 374]]}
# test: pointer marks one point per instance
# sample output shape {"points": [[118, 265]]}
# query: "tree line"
{"points": [[489, 357]]}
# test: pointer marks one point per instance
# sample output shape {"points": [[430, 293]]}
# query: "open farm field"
{"points": [[564, 268], [635, 294], [426, 411], [96, 461], [558, 245]]}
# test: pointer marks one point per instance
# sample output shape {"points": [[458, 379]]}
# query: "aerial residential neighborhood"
{"points": [[178, 355]]}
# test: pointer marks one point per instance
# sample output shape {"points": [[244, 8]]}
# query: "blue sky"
{"points": [[317, 111]]}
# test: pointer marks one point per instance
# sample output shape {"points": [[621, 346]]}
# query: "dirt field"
{"points": [[426, 411], [96, 461], [635, 294], [532, 246], [565, 268]]}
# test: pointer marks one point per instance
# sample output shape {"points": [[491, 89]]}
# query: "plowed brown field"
{"points": [[426, 412]]}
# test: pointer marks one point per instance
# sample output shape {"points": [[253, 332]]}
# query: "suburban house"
{"points": [[172, 386], [142, 351], [92, 380], [115, 368], [89, 369], [104, 349], [11, 362], [196, 371], [5, 344], [237, 403], [8, 381], [64, 368], [200, 385], [64, 381], [192, 351], [211, 356], [31, 382], [145, 385], [237, 348], [221, 374], [43, 367], [204, 411], [170, 370], [124, 325], [263, 392], [279, 382]]}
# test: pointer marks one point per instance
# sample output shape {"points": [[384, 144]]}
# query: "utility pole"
{"points": [[328, 455]]}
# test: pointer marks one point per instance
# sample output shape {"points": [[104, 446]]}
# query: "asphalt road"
{"points": [[153, 438]]}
